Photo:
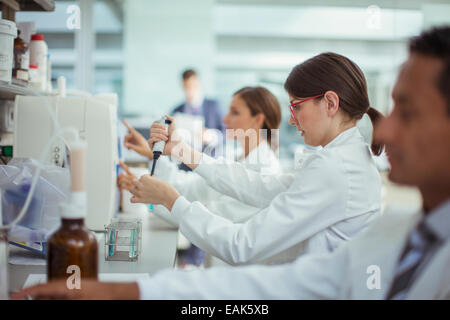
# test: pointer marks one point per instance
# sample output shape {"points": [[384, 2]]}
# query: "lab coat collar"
{"points": [[261, 150], [438, 220], [345, 137]]}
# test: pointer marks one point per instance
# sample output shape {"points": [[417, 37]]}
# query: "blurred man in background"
{"points": [[209, 110], [196, 104]]}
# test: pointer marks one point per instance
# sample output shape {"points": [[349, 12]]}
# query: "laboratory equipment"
{"points": [[6, 120], [38, 57], [158, 147], [43, 214], [21, 61], [33, 77], [95, 119], [123, 239], [72, 248], [4, 285], [8, 32]]}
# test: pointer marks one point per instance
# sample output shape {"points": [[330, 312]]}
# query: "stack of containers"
{"points": [[8, 32]]}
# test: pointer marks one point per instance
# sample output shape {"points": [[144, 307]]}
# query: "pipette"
{"points": [[158, 147]]}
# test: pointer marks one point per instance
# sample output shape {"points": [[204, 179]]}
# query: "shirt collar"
{"points": [[438, 220], [345, 136], [197, 103]]}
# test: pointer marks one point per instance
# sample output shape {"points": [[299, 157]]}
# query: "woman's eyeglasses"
{"points": [[292, 105]]}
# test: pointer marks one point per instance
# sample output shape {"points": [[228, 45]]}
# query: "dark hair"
{"points": [[260, 100], [332, 71], [188, 73], [436, 43]]}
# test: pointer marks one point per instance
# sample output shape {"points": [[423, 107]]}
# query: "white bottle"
{"points": [[33, 77], [38, 57]]}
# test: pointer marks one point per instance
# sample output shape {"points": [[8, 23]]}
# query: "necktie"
{"points": [[420, 248]]}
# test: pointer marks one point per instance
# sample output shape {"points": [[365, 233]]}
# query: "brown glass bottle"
{"points": [[72, 245], [21, 61]]}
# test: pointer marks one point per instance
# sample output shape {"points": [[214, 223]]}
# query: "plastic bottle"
{"points": [[33, 77], [38, 57], [73, 249], [21, 61]]}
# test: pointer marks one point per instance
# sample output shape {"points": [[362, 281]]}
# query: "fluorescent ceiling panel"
{"points": [[317, 22]]}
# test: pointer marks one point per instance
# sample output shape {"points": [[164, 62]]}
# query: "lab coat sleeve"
{"points": [[315, 201], [309, 277], [194, 188], [189, 184], [235, 180]]}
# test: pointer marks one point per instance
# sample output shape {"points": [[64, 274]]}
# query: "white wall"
{"points": [[161, 39], [436, 14]]}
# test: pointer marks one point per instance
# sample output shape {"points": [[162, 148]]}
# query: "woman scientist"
{"points": [[335, 194], [333, 197], [253, 109]]}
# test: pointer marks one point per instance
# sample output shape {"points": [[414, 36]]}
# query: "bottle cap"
{"points": [[75, 208], [37, 37]]}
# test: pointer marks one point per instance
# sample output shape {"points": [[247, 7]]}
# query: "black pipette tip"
{"points": [[156, 155]]}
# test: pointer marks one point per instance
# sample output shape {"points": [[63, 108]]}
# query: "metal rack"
{"points": [[10, 7]]}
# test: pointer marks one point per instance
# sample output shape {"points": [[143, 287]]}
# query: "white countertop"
{"points": [[158, 252]]}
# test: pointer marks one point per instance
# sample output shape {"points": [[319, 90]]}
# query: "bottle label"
{"points": [[39, 59], [5, 61], [22, 61], [22, 75]]}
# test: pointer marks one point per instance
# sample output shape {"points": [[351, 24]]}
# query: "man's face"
{"points": [[417, 132], [191, 88]]}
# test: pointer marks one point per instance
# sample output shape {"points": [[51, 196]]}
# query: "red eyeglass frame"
{"points": [[292, 105]]}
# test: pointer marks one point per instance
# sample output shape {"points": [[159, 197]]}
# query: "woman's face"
{"points": [[239, 117], [311, 119]]}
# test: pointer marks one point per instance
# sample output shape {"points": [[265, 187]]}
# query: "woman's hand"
{"points": [[90, 290], [135, 141], [124, 181], [151, 190], [158, 133], [174, 146]]}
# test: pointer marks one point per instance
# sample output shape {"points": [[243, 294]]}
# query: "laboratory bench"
{"points": [[158, 252]]}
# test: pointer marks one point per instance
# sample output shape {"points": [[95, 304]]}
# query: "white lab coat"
{"points": [[194, 188], [343, 274], [334, 196]]}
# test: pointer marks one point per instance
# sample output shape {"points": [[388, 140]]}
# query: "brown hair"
{"points": [[188, 73], [332, 71], [261, 100], [436, 43]]}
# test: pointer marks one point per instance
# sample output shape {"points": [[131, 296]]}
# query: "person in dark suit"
{"points": [[197, 105]]}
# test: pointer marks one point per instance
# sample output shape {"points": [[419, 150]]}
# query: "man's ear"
{"points": [[332, 101]]}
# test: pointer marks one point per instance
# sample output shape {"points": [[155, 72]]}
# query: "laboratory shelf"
{"points": [[29, 5], [10, 91]]}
